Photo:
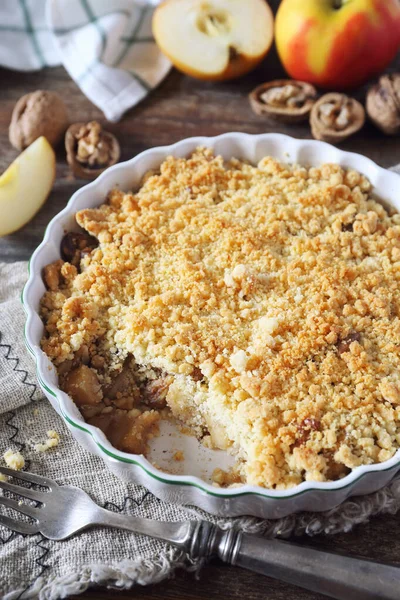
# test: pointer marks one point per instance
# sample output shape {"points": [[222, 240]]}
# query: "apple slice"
{"points": [[214, 39], [25, 185]]}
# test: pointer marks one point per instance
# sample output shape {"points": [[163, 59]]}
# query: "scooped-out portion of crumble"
{"points": [[257, 304]]}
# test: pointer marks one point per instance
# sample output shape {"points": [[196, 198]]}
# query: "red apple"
{"points": [[337, 43]]}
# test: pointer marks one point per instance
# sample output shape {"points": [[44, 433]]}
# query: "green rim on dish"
{"points": [[195, 485], [158, 477]]}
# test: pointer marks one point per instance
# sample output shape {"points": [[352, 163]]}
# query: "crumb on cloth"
{"points": [[14, 460], [53, 440]]}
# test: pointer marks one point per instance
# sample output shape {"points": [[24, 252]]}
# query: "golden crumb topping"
{"points": [[271, 292], [14, 460], [52, 441]]}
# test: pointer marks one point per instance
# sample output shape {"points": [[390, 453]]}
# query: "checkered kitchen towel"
{"points": [[105, 45]]}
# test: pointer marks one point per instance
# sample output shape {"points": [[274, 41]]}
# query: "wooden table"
{"points": [[179, 108]]}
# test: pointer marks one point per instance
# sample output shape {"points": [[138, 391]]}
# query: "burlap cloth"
{"points": [[33, 567]]}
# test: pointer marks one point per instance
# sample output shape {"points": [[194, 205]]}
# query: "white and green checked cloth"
{"points": [[105, 45]]}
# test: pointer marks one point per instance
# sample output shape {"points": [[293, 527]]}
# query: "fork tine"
{"points": [[19, 526], [24, 492], [23, 508], [31, 477]]}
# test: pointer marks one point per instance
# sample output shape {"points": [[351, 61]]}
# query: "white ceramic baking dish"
{"points": [[190, 484]]}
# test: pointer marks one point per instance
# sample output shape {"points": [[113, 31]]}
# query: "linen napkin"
{"points": [[33, 567], [106, 47]]}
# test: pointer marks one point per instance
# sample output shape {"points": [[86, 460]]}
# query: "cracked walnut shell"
{"points": [[36, 114], [334, 117], [285, 100], [90, 150], [383, 104]]}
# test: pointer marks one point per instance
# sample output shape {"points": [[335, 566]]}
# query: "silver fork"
{"points": [[66, 510]]}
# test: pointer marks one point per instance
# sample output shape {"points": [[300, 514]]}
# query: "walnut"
{"points": [[334, 117], [74, 245], [197, 375], [283, 100], [304, 430], [124, 383], [344, 345], [383, 104], [97, 362], [155, 391], [36, 114], [90, 150]]}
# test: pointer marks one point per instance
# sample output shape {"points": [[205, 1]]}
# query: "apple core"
{"points": [[213, 23]]}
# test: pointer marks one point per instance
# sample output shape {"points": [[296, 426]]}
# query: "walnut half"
{"points": [[36, 114], [90, 150], [283, 100], [334, 117], [383, 104]]}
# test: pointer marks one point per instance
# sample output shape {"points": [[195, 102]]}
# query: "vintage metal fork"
{"points": [[66, 510]]}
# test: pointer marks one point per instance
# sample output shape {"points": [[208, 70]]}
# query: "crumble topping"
{"points": [[14, 460], [222, 478], [260, 304], [52, 441]]}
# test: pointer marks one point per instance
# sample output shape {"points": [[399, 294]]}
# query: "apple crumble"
{"points": [[259, 305]]}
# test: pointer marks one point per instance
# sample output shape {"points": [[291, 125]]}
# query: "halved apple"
{"points": [[214, 39], [25, 185]]}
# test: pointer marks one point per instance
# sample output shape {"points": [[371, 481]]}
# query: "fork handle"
{"points": [[335, 575]]}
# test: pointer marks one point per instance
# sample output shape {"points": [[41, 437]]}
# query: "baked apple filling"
{"points": [[126, 406], [127, 402], [257, 305]]}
